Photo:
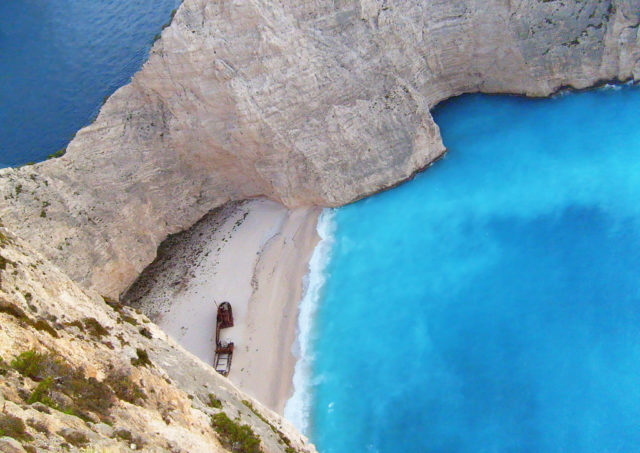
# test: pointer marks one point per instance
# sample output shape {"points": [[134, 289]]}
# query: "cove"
{"points": [[59, 59], [492, 304]]}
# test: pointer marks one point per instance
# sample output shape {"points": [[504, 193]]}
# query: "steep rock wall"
{"points": [[307, 103], [101, 394]]}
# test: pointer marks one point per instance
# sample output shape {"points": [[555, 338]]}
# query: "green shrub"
{"points": [[124, 388], [41, 394], [233, 435], [124, 434], [43, 325], [94, 328], [61, 152], [75, 323], [13, 427], [214, 402], [39, 426], [146, 333], [4, 367], [283, 437], [142, 359], [30, 364], [88, 395], [20, 315], [117, 306], [129, 319], [13, 310], [129, 438], [122, 340], [75, 438]]}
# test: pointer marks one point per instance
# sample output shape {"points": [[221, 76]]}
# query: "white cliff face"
{"points": [[307, 103]]}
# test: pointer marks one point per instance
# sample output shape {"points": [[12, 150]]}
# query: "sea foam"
{"points": [[298, 407]]}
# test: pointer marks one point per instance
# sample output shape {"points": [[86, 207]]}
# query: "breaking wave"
{"points": [[298, 407]]}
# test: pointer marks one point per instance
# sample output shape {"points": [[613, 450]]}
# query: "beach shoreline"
{"points": [[254, 254]]}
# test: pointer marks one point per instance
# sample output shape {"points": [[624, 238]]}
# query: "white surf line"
{"points": [[298, 408]]}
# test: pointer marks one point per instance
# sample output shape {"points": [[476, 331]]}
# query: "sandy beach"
{"points": [[253, 254]]}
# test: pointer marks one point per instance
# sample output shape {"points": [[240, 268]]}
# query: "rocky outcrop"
{"points": [[307, 103], [78, 372]]}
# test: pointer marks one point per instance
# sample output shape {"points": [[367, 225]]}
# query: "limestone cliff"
{"points": [[311, 102], [76, 372]]}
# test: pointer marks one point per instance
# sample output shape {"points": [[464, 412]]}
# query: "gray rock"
{"points": [[41, 408], [103, 429], [9, 445]]}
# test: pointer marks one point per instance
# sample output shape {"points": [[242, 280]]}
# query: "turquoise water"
{"points": [[59, 59], [493, 303]]}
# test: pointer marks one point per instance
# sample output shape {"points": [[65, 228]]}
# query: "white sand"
{"points": [[255, 256]]}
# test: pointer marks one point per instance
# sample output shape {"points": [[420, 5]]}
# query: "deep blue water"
{"points": [[493, 303], [59, 59]]}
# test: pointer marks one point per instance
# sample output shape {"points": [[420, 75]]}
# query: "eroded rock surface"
{"points": [[77, 372], [307, 103]]}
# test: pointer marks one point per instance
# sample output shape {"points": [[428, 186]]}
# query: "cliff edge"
{"points": [[307, 103]]}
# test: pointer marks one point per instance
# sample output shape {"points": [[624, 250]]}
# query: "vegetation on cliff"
{"points": [[79, 373]]}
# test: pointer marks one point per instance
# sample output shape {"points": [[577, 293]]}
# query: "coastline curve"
{"points": [[298, 407]]}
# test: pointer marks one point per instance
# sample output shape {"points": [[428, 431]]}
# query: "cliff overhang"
{"points": [[308, 104]]}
